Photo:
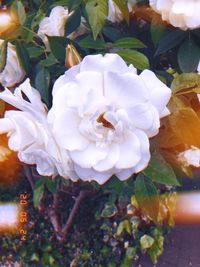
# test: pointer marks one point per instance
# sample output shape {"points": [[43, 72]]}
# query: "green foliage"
{"points": [[3, 55], [23, 55], [139, 60], [38, 191], [170, 40], [19, 7], [89, 42], [128, 42], [57, 46], [186, 83], [188, 55], [42, 80], [122, 5], [97, 11], [146, 241], [147, 196], [160, 171]]}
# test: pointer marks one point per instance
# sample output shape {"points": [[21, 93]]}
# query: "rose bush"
{"points": [[103, 114], [182, 14], [12, 73]]}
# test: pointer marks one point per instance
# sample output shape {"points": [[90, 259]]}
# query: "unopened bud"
{"points": [[9, 23], [72, 56]]}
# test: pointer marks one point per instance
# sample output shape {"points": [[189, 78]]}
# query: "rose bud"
{"points": [[72, 56], [9, 23]]}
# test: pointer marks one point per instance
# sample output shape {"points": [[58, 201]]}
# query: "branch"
{"points": [[67, 226], [28, 174], [53, 215]]}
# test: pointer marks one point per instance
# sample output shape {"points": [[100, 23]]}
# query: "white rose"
{"points": [[54, 25], [114, 13], [190, 157], [103, 114], [13, 72], [183, 14], [29, 133]]}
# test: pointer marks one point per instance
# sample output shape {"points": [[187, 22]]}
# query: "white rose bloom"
{"points": [[183, 14], [13, 72], [29, 133], [54, 25], [103, 114], [114, 13], [190, 157]]}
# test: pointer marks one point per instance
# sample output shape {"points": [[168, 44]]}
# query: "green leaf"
{"points": [[188, 56], [19, 7], [160, 171], [49, 61], [23, 55], [109, 210], [3, 55], [38, 191], [34, 51], [122, 5], [37, 19], [186, 83], [21, 12], [51, 185], [170, 40], [157, 32], [128, 42], [71, 4], [58, 46], [97, 11], [89, 42], [147, 196], [73, 22], [146, 241], [34, 257], [42, 80], [112, 33], [136, 58], [124, 226], [129, 257]]}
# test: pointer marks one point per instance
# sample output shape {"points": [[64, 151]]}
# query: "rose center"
{"points": [[105, 123]]}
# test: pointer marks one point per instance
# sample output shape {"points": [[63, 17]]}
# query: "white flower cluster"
{"points": [[13, 72], [102, 117], [183, 14]]}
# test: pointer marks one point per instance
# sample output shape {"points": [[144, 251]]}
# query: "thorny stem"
{"points": [[53, 214], [28, 174], [67, 226]]}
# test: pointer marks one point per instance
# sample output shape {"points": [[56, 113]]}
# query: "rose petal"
{"points": [[108, 62], [130, 153], [90, 156], [110, 161], [65, 130], [126, 90], [159, 92]]}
